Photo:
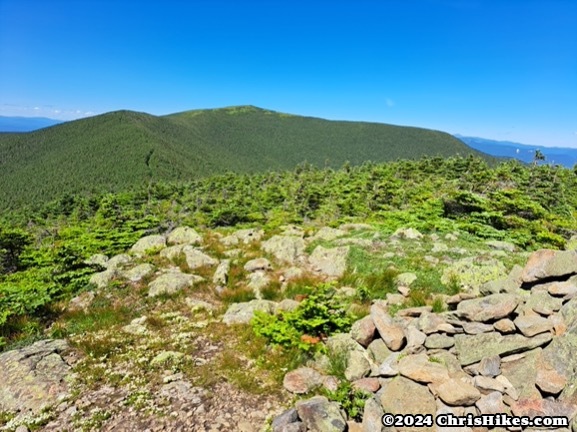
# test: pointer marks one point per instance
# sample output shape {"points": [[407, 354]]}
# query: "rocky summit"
{"points": [[175, 355]]}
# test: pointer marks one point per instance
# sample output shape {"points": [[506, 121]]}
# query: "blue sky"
{"points": [[500, 69]]}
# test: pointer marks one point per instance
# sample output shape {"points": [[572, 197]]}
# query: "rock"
{"points": [[257, 264], [566, 289], [560, 362], [81, 301], [543, 407], [367, 385], [420, 368], [407, 233], [242, 313], [378, 350], [392, 334], [491, 403], [357, 365], [405, 279], [487, 385], [472, 348], [244, 236], [521, 372], [372, 415], [501, 245], [286, 305], [390, 366], [490, 366], [196, 258], [302, 380], [286, 249], [505, 326], [545, 263], [330, 262], [136, 274], [492, 307], [363, 331], [172, 252], [97, 260], [102, 279], [170, 283], [543, 303], [415, 340], [293, 273], [474, 328], [355, 227], [184, 235], [439, 247], [148, 244], [439, 341], [472, 273], [533, 325], [455, 392], [328, 234], [287, 417], [196, 305], [118, 261], [33, 377], [320, 415], [257, 281], [430, 323], [220, 276], [404, 396]]}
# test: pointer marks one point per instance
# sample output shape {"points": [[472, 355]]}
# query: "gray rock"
{"points": [[102, 279], [287, 417], [420, 368], [491, 403], [257, 264], [320, 415], [286, 305], [390, 366], [501, 245], [559, 357], [566, 289], [118, 261], [242, 313], [492, 307], [138, 273], [302, 380], [363, 331], [328, 234], [531, 325], [151, 243], [330, 262], [541, 302], [472, 348], [474, 328], [97, 259], [287, 249], [407, 233], [487, 385], [257, 281], [196, 258], [357, 366], [184, 235], [372, 416], [472, 273], [406, 279], [405, 396], [172, 252], [505, 325], [439, 341], [81, 301], [545, 263], [170, 283], [378, 350], [521, 372], [33, 377], [490, 366], [415, 340], [455, 392], [392, 334], [220, 276]]}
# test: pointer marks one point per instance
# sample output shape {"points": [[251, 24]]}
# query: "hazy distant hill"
{"points": [[524, 152], [122, 149], [25, 124]]}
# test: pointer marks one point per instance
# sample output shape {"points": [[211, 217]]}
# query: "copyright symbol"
{"points": [[388, 420]]}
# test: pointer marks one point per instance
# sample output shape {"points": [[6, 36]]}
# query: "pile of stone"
{"points": [[513, 351]]}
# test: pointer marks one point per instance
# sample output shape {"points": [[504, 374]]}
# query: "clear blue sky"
{"points": [[500, 69]]}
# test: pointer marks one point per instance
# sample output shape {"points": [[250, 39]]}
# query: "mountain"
{"points": [[123, 149], [25, 124], [523, 152]]}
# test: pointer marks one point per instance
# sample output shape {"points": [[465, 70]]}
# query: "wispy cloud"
{"points": [[52, 111]]}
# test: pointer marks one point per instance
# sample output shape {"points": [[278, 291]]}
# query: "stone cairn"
{"points": [[512, 350]]}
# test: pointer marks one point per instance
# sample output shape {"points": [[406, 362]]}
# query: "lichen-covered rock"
{"points": [[138, 273], [320, 415], [220, 276], [196, 258], [33, 377], [151, 243], [184, 235], [242, 313], [286, 249], [257, 264], [302, 380], [327, 234], [170, 283], [546, 263], [102, 279], [455, 392], [391, 333], [472, 273], [330, 262]]}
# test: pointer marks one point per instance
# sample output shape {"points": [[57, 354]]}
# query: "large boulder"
{"points": [[490, 308], [320, 415], [242, 313], [330, 262], [184, 235], [151, 243], [546, 263], [285, 248], [170, 283], [33, 377]]}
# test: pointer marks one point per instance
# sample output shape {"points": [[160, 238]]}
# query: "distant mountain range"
{"points": [[125, 149], [553, 155], [25, 124]]}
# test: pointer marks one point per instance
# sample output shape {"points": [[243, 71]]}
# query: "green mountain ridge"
{"points": [[121, 150]]}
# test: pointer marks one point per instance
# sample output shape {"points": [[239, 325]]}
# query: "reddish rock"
{"points": [[547, 263], [369, 385]]}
